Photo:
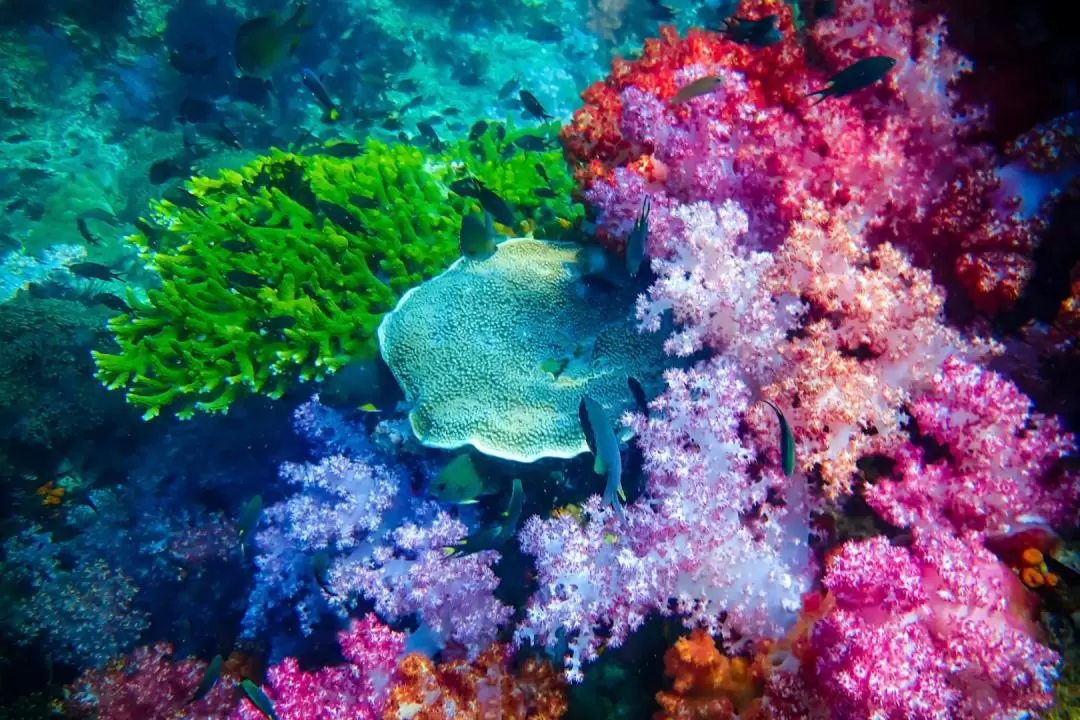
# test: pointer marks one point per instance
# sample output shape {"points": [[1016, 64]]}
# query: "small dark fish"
{"points": [[315, 84], [533, 106], [34, 211], [546, 193], [392, 122], [416, 101], [279, 323], [466, 187], [364, 382], [600, 437], [112, 302], [856, 76], [193, 59], [258, 699], [164, 170], [638, 241], [787, 440], [477, 236], [152, 233], [364, 203], [196, 110], [451, 111], [17, 138], [638, 392], [253, 90], [227, 136], [16, 112], [701, 86], [499, 208], [508, 88], [237, 245], [85, 232], [263, 42], [428, 133], [758, 33], [100, 214], [500, 132], [531, 143], [32, 175], [320, 568], [342, 150], [493, 536], [407, 85], [181, 198], [542, 172], [434, 120], [403, 137], [660, 12], [15, 204], [209, 679], [239, 278], [342, 218], [94, 271], [249, 519]]}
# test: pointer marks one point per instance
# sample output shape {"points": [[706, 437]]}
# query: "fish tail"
{"points": [[331, 115], [824, 93]]}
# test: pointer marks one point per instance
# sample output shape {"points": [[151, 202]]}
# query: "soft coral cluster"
{"points": [[723, 545], [353, 506], [1002, 462], [940, 629], [897, 156], [357, 689]]}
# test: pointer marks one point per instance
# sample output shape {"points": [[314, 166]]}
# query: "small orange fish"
{"points": [[701, 86], [50, 495]]}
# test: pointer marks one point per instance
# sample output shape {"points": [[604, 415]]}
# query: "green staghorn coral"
{"points": [[282, 270]]}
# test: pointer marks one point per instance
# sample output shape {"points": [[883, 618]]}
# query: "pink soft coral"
{"points": [[934, 631], [357, 690], [1003, 466]]}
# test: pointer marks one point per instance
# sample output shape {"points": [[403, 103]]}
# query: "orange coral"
{"points": [[707, 685], [485, 688]]}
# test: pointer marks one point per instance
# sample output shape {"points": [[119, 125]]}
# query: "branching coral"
{"points": [[282, 270]]}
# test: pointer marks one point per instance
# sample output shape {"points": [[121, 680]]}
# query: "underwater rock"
{"points": [[498, 353]]}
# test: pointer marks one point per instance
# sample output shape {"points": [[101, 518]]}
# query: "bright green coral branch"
{"points": [[283, 269]]}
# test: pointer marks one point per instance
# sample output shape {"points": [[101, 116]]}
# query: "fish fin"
{"points": [[449, 551], [824, 93], [621, 493], [599, 467], [467, 502]]}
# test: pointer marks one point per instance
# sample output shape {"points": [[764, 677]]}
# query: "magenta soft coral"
{"points": [[148, 684], [357, 690], [932, 631], [1002, 468]]}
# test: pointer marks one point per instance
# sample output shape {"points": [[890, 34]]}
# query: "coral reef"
{"points": [[497, 354], [706, 684]]}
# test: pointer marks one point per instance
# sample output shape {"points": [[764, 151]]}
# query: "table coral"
{"points": [[497, 354]]}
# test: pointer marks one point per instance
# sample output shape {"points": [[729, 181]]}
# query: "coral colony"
{"points": [[797, 252]]}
